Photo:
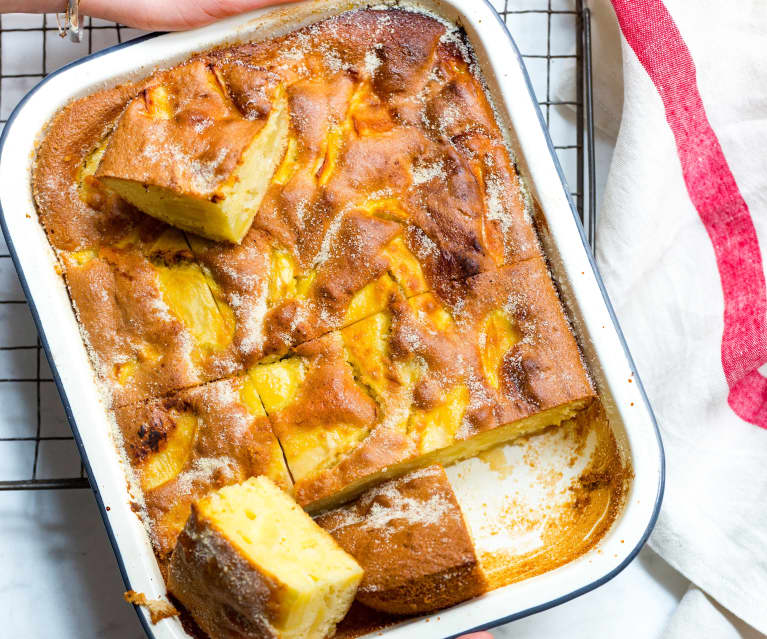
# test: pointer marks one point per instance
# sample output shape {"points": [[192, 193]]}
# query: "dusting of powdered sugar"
{"points": [[252, 315], [299, 317], [301, 210], [429, 172], [532, 328], [429, 512], [494, 198], [202, 174], [398, 411], [454, 36], [202, 124], [160, 308], [372, 61], [515, 303], [332, 60], [226, 393], [300, 45], [380, 194], [323, 255], [220, 393], [451, 116], [423, 246], [325, 252], [410, 337], [479, 397], [204, 469]]}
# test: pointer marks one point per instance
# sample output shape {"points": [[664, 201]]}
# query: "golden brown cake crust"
{"points": [[396, 197], [393, 144], [419, 148], [544, 368], [410, 538], [135, 320], [230, 444], [266, 327], [242, 276]]}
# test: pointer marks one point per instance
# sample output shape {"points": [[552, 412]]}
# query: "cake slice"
{"points": [[410, 537], [184, 153], [195, 441], [434, 379], [152, 318], [250, 563]]}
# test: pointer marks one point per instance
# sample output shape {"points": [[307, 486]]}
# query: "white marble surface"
{"points": [[59, 577]]}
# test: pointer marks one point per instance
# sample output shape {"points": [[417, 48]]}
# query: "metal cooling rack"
{"points": [[37, 450]]}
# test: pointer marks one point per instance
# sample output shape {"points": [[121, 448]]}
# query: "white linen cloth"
{"points": [[661, 271]]}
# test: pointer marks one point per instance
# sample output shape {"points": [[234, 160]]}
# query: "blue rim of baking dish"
{"points": [[143, 616]]}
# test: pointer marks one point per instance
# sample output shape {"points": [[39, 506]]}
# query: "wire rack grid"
{"points": [[37, 450]]}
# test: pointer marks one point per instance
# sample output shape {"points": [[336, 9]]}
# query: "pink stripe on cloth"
{"points": [[655, 38]]}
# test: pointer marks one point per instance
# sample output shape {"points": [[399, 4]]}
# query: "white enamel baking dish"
{"points": [[600, 336]]}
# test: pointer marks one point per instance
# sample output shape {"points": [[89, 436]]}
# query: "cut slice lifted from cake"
{"points": [[250, 563], [183, 152]]}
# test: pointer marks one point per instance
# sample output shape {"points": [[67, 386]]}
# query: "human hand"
{"points": [[477, 635], [150, 15]]}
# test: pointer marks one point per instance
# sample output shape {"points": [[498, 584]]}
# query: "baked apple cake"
{"points": [[306, 260]]}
